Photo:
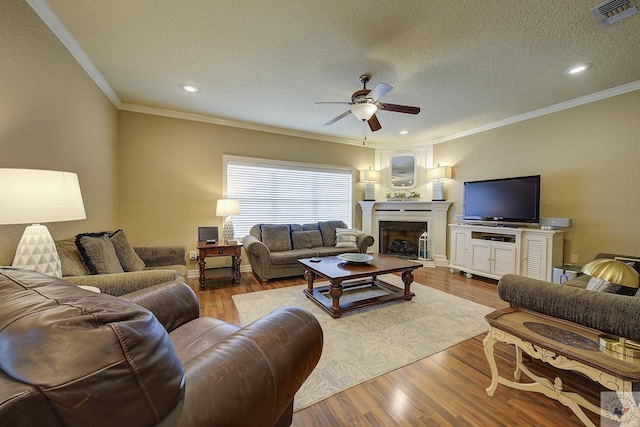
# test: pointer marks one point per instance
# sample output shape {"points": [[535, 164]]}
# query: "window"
{"points": [[279, 192]]}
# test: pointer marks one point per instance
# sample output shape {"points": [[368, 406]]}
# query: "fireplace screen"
{"points": [[400, 238]]}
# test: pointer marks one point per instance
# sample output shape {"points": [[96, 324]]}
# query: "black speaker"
{"points": [[208, 234]]}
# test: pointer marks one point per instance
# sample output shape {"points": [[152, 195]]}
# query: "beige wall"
{"points": [[52, 116], [588, 159], [170, 172]]}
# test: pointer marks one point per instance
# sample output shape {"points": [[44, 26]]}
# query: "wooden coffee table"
{"points": [[344, 276]]}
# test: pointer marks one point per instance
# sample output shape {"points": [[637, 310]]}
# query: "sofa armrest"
{"points": [[122, 283], [610, 313], [259, 255], [251, 377], [158, 256], [364, 241], [173, 303]]}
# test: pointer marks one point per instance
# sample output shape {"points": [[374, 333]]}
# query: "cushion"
{"points": [[129, 259], [347, 237], [306, 239], [328, 231], [601, 285], [70, 258], [276, 237], [98, 253]]}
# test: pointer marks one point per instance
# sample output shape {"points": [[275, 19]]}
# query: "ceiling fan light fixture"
{"points": [[364, 111]]}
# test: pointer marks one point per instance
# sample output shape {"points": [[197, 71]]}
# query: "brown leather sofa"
{"points": [[70, 357]]}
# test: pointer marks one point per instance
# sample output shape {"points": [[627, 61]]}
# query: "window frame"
{"points": [[292, 165]]}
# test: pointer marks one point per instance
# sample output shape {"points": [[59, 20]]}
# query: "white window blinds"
{"points": [[285, 192]]}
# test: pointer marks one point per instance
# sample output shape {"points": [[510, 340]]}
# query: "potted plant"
{"points": [[412, 196], [395, 196]]}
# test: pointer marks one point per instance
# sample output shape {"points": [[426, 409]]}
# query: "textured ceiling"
{"points": [[466, 63]]}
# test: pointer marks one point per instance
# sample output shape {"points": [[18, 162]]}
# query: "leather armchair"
{"points": [[70, 357]]}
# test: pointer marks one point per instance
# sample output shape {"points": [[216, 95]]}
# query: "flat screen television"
{"points": [[515, 200]]}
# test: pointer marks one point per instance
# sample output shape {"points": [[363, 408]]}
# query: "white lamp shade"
{"points": [[32, 196], [369, 175], [439, 173], [226, 207], [364, 111]]}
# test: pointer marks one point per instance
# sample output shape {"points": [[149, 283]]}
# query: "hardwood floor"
{"points": [[445, 389]]}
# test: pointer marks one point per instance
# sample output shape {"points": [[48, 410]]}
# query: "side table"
{"points": [[234, 250], [565, 346]]}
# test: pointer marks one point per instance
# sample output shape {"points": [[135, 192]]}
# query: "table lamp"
{"points": [[620, 273], [437, 175], [369, 176], [226, 208], [34, 196]]}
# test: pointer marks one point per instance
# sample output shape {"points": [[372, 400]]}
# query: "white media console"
{"points": [[492, 251]]}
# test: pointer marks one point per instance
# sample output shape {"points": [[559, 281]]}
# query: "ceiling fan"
{"points": [[364, 104]]}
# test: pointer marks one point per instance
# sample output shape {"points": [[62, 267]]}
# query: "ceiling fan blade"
{"points": [[399, 108], [374, 124], [341, 116], [334, 102], [379, 91]]}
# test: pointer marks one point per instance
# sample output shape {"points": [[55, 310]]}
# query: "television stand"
{"points": [[493, 251]]}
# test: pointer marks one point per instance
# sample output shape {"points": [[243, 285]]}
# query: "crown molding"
{"points": [[233, 123], [54, 23], [587, 99], [60, 30]]}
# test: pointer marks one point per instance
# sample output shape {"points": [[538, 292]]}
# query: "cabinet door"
{"points": [[534, 257], [458, 239], [504, 259], [480, 256]]}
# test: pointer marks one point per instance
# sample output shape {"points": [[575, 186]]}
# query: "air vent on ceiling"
{"points": [[613, 11]]}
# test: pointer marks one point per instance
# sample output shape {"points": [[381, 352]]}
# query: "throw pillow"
{"points": [[276, 237], [70, 258], [347, 237], [601, 285], [328, 231], [98, 253], [306, 239], [129, 259]]}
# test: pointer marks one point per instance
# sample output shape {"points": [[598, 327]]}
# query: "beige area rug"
{"points": [[364, 344]]}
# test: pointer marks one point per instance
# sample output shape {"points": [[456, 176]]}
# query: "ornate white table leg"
{"points": [[488, 343], [516, 373]]}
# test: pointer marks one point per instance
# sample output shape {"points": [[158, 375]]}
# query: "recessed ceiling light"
{"points": [[190, 88], [577, 69], [404, 132]]}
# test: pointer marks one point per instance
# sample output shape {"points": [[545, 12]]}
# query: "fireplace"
{"points": [[433, 214], [400, 238]]}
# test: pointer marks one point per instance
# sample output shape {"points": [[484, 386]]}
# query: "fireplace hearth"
{"points": [[400, 238]]}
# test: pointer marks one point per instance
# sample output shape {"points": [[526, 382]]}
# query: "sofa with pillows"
{"points": [[107, 261], [274, 249], [610, 308]]}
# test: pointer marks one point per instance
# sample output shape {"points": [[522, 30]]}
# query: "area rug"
{"points": [[367, 343]]}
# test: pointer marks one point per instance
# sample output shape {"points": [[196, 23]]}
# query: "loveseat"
{"points": [[71, 357], [612, 313], [131, 269], [274, 249]]}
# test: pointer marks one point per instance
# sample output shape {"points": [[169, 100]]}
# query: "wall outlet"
{"points": [[193, 254], [574, 259]]}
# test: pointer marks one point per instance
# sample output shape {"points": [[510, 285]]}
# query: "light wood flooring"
{"points": [[445, 389]]}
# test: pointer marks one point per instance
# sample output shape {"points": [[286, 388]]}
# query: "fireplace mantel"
{"points": [[434, 213]]}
